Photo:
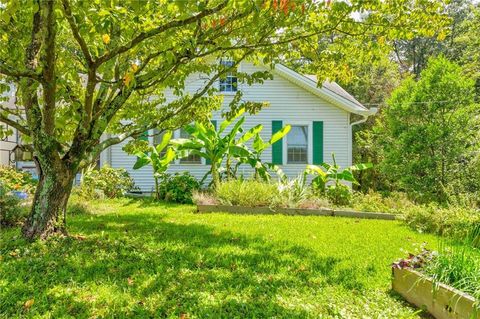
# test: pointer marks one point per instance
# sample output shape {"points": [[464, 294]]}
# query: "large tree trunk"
{"points": [[47, 214]]}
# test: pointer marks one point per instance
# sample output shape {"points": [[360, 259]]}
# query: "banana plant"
{"points": [[215, 146], [258, 147], [325, 173], [159, 157]]}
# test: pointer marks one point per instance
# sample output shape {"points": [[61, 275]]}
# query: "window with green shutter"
{"points": [[277, 147], [317, 142]]}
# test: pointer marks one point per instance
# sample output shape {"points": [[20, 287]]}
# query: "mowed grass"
{"points": [[133, 258]]}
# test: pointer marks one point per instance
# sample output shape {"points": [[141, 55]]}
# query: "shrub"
{"points": [[178, 188], [14, 179], [11, 213], [339, 194], [445, 221], [393, 203], [111, 182], [246, 193]]}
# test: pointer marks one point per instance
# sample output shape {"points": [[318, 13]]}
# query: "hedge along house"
{"points": [[320, 118]]}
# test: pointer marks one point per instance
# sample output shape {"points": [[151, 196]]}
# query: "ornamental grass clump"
{"points": [[249, 193]]}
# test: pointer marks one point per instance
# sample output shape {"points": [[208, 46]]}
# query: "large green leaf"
{"points": [[225, 123], [142, 160], [167, 136], [239, 151], [169, 156], [186, 143], [280, 134], [250, 133]]}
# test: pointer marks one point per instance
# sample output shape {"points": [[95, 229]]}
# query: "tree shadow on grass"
{"points": [[139, 265]]}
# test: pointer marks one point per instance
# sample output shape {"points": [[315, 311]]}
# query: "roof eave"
{"points": [[331, 97]]}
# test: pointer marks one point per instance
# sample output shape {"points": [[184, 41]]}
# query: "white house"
{"points": [[320, 119]]}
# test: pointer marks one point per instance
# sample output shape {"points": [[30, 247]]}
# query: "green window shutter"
{"points": [[277, 147], [317, 142], [143, 136], [214, 122]]}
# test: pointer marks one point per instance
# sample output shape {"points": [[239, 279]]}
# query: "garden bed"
{"points": [[293, 211], [440, 300]]}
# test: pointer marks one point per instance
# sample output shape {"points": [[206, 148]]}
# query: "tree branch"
{"points": [[14, 124], [10, 71], [49, 85], [156, 31], [75, 31]]}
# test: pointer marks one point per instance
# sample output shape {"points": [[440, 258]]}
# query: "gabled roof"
{"points": [[329, 91]]}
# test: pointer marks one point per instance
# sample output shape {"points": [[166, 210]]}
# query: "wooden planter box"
{"points": [[291, 211], [440, 300]]}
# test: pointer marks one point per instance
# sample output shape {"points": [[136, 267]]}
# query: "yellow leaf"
{"points": [[127, 79], [441, 36], [28, 304], [134, 67], [106, 38]]}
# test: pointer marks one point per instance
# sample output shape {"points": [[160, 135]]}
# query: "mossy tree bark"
{"points": [[47, 215]]}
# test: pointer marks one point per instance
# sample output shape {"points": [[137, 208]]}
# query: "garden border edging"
{"points": [[440, 300], [293, 211]]}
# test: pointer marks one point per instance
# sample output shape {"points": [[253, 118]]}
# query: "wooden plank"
{"points": [[443, 302], [291, 211]]}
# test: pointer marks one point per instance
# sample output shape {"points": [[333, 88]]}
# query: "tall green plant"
{"points": [[216, 146], [255, 154], [333, 173], [159, 160]]}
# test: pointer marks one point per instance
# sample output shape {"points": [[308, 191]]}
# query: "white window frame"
{"points": [[309, 125], [238, 69]]}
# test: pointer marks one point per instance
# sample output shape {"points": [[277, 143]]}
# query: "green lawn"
{"points": [[131, 258]]}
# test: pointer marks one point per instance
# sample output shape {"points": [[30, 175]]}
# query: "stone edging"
{"points": [[442, 301], [293, 211]]}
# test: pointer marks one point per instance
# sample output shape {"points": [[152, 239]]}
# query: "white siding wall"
{"points": [[289, 103]]}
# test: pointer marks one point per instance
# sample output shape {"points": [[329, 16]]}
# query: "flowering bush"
{"points": [[13, 179]]}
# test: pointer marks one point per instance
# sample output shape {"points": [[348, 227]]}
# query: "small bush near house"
{"points": [[111, 182], [178, 188], [339, 194], [247, 193], [14, 179], [11, 213]]}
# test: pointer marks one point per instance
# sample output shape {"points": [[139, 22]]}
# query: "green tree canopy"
{"points": [[84, 69], [429, 130]]}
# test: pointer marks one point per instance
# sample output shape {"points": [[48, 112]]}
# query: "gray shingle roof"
{"points": [[337, 89]]}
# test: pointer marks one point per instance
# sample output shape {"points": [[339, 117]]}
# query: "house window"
{"points": [[228, 82], [297, 145], [192, 158]]}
